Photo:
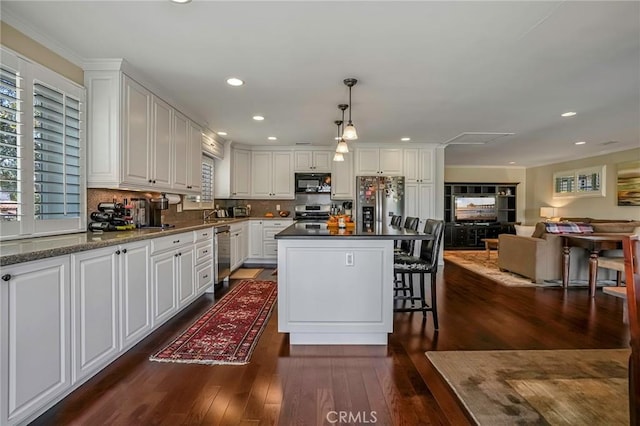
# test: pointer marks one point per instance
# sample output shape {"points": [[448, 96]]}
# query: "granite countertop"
{"points": [[320, 230], [28, 249]]}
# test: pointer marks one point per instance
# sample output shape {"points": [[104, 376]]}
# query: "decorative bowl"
{"points": [[284, 213]]}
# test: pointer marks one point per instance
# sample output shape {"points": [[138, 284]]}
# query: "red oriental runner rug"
{"points": [[229, 331]]}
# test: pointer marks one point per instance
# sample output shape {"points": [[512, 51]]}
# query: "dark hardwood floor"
{"points": [[304, 385]]}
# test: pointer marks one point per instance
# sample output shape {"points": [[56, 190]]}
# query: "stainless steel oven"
{"points": [[223, 253]]}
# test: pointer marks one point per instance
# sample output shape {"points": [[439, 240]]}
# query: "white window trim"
{"points": [[575, 193]]}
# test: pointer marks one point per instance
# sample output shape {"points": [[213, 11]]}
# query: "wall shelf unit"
{"points": [[469, 234]]}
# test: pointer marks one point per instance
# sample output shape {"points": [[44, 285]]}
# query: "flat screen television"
{"points": [[474, 208]]}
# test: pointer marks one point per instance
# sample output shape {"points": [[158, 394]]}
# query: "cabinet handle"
{"points": [[6, 277], [154, 181], [176, 241], [118, 252], [175, 255], [124, 250], [205, 252], [205, 276], [205, 234]]}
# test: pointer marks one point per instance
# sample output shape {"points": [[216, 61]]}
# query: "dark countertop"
{"points": [[28, 249], [319, 230]]}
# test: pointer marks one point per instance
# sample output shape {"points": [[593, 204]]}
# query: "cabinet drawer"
{"points": [[203, 234], [278, 224], [204, 275], [204, 251], [270, 249], [171, 242]]}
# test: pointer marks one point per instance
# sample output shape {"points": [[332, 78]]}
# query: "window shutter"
{"points": [[56, 134], [10, 188], [207, 182]]}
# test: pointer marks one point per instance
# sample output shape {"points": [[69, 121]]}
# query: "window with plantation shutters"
{"points": [[9, 146], [56, 137], [205, 199], [587, 182], [42, 188]]}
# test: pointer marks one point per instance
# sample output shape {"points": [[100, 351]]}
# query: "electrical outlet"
{"points": [[348, 261], [278, 207], [179, 208]]}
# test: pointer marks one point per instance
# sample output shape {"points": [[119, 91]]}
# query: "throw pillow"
{"points": [[568, 228], [524, 230], [540, 230]]}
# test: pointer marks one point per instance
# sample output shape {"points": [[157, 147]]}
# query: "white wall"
{"points": [[492, 175], [540, 190]]}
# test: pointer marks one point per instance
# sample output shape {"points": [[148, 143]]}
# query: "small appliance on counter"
{"points": [[112, 217], [239, 211], [157, 206]]}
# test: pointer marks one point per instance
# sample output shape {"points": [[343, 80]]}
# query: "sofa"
{"points": [[539, 257]]}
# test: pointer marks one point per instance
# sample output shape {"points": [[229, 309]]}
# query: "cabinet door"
{"points": [[95, 308], [427, 166], [411, 165], [35, 330], [180, 151], [186, 288], [303, 161], [162, 163], [367, 161], [194, 165], [163, 277], [391, 161], [241, 173], [411, 201], [322, 161], [135, 293], [282, 175], [427, 201], [255, 239], [261, 174], [233, 250], [136, 134], [342, 179]]}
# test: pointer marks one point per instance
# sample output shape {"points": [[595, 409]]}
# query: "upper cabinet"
{"points": [[272, 174], [378, 161], [135, 140], [419, 165], [312, 161], [232, 173], [342, 180]]}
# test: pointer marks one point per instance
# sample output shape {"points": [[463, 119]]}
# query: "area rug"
{"points": [[477, 262], [246, 273], [548, 387], [229, 331]]}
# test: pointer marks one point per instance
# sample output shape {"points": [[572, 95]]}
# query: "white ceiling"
{"points": [[426, 70]]}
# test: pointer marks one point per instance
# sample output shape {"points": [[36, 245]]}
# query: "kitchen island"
{"points": [[336, 286]]}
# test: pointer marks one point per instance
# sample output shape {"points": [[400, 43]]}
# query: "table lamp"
{"points": [[548, 213]]}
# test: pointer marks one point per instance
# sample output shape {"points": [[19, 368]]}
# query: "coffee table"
{"points": [[490, 243]]}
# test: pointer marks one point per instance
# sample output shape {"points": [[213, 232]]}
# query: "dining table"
{"points": [[594, 244]]}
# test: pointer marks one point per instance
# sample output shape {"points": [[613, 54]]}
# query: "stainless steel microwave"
{"points": [[313, 183]]}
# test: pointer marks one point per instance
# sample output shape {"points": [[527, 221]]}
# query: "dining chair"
{"points": [[631, 251], [425, 263]]}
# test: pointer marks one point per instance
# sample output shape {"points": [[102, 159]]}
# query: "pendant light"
{"points": [[350, 133], [342, 147], [338, 155]]}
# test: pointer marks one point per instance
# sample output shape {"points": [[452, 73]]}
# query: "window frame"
{"points": [[574, 175]]}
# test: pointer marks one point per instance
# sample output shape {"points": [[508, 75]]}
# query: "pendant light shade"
{"points": [[342, 147], [349, 132], [338, 156]]}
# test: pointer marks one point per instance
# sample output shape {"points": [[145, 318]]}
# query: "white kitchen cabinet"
{"points": [[256, 240], [241, 173], [238, 245], [342, 179], [172, 275], [187, 155], [130, 136], [194, 165], [204, 252], [419, 202], [272, 174], [135, 293], [312, 161], [419, 165], [378, 161], [35, 337], [269, 244]]}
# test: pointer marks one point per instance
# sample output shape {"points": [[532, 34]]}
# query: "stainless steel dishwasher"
{"points": [[223, 254]]}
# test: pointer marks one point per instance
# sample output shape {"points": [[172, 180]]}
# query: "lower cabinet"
{"points": [[35, 337], [135, 293], [172, 276], [263, 246], [239, 242]]}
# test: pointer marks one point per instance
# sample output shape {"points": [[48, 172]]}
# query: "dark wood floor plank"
{"points": [[285, 385]]}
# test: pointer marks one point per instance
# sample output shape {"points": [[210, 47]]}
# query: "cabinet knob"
{"points": [[124, 250], [179, 254], [205, 252], [150, 181], [118, 252], [6, 277], [205, 276], [175, 255], [176, 241]]}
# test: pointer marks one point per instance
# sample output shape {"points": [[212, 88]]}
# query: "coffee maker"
{"points": [[157, 206]]}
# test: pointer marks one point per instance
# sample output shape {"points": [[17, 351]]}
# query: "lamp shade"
{"points": [[548, 212], [350, 132], [342, 147], [338, 156]]}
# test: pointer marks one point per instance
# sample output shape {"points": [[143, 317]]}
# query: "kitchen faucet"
{"points": [[206, 215]]}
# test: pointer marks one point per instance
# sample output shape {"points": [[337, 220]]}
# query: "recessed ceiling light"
{"points": [[222, 133], [568, 114], [405, 139], [258, 117], [512, 162], [272, 138], [580, 143], [180, 1], [233, 81]]}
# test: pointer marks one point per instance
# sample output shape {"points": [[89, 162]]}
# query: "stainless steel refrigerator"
{"points": [[377, 199]]}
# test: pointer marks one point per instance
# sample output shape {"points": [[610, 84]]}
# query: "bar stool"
{"points": [[396, 220], [405, 249], [425, 263]]}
